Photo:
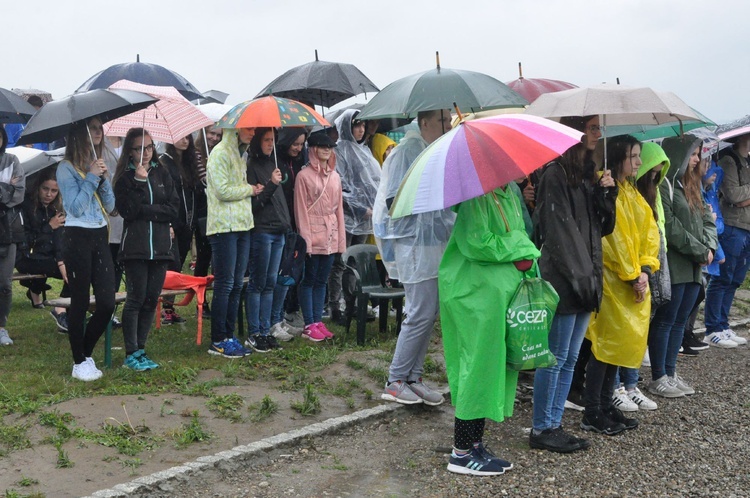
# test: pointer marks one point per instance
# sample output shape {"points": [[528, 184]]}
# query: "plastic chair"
{"points": [[360, 260]]}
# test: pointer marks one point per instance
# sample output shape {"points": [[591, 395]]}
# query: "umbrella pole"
{"points": [[143, 136], [205, 143], [91, 140], [605, 141]]}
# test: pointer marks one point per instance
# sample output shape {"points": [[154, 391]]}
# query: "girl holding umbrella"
{"points": [[87, 198]]}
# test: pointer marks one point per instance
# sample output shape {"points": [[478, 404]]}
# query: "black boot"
{"points": [[617, 417], [597, 421]]}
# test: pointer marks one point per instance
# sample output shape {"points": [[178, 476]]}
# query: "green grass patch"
{"points": [[228, 406], [310, 404], [264, 409]]}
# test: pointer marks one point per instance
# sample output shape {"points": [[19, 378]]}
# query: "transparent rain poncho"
{"points": [[411, 247], [360, 177]]}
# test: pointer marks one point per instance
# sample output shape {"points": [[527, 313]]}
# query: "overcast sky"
{"points": [[697, 49]]}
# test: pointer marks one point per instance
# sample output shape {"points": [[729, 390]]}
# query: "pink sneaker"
{"points": [[313, 333], [324, 330]]}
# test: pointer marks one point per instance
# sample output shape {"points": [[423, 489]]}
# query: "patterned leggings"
{"points": [[467, 432]]}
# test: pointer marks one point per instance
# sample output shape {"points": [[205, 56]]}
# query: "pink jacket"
{"points": [[319, 209]]}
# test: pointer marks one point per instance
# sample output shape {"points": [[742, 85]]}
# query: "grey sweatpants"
{"points": [[422, 307], [6, 285]]}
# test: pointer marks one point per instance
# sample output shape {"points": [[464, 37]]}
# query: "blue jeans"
{"points": [[230, 252], [277, 309], [720, 292], [265, 257], [667, 329], [552, 384], [312, 290], [628, 377]]}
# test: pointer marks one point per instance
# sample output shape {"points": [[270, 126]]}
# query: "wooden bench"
{"points": [[25, 276]]}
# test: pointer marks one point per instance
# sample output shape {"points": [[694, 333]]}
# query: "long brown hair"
{"points": [[691, 183], [647, 185], [575, 160], [45, 175], [78, 149], [127, 145]]}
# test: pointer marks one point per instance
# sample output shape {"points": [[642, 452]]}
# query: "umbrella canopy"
{"points": [[440, 88], [531, 89], [55, 119], [320, 82], [652, 132], [477, 157], [273, 112], [169, 119], [34, 160], [621, 105], [214, 111], [734, 129], [14, 109], [141, 72]]}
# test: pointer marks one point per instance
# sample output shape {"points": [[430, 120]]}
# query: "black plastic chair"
{"points": [[360, 260]]}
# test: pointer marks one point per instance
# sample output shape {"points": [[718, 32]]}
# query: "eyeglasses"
{"points": [[147, 148], [327, 147], [594, 128]]}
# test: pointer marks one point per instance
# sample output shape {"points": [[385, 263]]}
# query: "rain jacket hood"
{"points": [[678, 150], [379, 145], [653, 155], [360, 176], [227, 190]]}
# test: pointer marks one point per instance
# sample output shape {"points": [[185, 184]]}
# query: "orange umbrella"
{"points": [[273, 112]]}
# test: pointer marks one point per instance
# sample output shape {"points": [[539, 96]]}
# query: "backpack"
{"points": [[292, 260]]}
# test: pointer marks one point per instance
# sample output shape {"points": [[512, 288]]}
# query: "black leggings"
{"points": [[600, 385], [144, 281], [88, 261], [467, 432], [47, 266]]}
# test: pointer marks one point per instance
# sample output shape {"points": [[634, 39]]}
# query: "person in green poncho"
{"points": [[481, 269]]}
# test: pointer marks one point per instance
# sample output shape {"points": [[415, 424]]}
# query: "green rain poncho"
{"points": [[477, 280]]}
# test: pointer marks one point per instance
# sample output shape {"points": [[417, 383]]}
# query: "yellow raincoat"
{"points": [[618, 333]]}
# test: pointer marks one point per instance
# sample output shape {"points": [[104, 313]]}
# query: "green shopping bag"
{"points": [[528, 322]]}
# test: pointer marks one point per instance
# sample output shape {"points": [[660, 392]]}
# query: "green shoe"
{"points": [[134, 362], [147, 361]]}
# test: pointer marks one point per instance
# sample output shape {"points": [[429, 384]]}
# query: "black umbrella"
{"points": [[55, 119], [144, 73], [14, 109], [320, 82]]}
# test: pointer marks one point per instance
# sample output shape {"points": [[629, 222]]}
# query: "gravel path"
{"points": [[694, 446]]}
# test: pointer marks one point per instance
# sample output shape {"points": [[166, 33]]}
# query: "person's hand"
{"points": [[640, 287], [57, 221], [257, 189], [368, 213], [709, 258], [15, 180], [606, 180], [721, 261], [276, 176], [98, 167], [141, 173], [528, 193], [710, 180]]}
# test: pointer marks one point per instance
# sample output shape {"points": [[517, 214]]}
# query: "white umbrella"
{"points": [[214, 111], [33, 160]]}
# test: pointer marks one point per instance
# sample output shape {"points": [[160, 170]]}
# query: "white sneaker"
{"points": [[291, 329], [646, 359], [640, 399], [732, 336], [277, 330], [572, 406], [92, 364], [5, 339], [622, 402], [719, 340], [84, 371]]}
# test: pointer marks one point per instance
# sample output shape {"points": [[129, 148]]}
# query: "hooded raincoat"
{"points": [[618, 333], [691, 233], [379, 145], [360, 176], [318, 207], [229, 205], [476, 283], [411, 247], [569, 223], [711, 196]]}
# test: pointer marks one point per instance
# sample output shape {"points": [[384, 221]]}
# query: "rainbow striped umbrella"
{"points": [[477, 157]]}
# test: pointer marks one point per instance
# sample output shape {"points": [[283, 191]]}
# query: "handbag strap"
{"points": [[502, 212]]}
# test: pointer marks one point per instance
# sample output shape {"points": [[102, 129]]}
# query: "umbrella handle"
{"points": [[91, 141], [458, 111]]}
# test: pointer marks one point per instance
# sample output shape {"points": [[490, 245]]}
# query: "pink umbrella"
{"points": [[168, 120], [531, 89]]}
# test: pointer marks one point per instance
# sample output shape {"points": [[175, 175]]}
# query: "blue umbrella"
{"points": [[144, 73]]}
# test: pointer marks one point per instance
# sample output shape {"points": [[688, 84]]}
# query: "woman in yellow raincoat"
{"points": [[480, 271], [618, 333]]}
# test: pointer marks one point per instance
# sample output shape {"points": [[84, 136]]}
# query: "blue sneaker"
{"points": [[148, 361], [133, 362], [226, 349], [476, 464], [488, 454], [239, 347]]}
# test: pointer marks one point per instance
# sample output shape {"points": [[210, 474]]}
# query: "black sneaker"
{"points": [[259, 343], [601, 424], [616, 416], [582, 442], [476, 464], [61, 319], [553, 440], [272, 342], [694, 343], [687, 350]]}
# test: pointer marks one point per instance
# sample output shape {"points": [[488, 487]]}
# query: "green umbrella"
{"points": [[440, 88], [650, 132]]}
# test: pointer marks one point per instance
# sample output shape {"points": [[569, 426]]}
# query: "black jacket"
{"points": [[41, 241], [569, 223], [148, 208], [289, 166], [185, 193], [270, 211]]}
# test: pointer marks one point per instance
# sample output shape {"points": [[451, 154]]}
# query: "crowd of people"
{"points": [[632, 246]]}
